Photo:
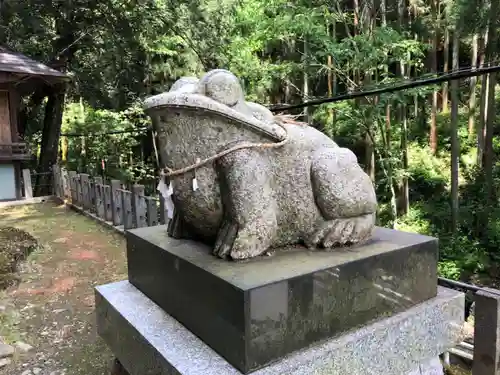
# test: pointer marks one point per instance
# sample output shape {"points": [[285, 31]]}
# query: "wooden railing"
{"points": [[109, 201], [14, 151]]}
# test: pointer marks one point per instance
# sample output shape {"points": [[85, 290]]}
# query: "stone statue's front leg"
{"points": [[249, 224]]}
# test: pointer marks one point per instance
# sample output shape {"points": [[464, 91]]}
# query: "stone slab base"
{"points": [[433, 367], [148, 341], [255, 312]]}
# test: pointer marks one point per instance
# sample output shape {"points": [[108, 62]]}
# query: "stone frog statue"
{"points": [[298, 187]]}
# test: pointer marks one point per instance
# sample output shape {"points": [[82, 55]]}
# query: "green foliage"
{"points": [[119, 152], [429, 175], [415, 221], [449, 269]]}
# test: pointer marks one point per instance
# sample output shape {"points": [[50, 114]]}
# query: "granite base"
{"points": [[433, 367], [256, 312], [148, 341]]}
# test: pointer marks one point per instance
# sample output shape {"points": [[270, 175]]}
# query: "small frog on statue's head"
{"points": [[250, 200]]}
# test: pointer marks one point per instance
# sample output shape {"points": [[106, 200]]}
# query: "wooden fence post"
{"points": [[72, 186], [79, 190], [91, 195], [128, 221], [65, 183], [56, 181], [85, 191], [108, 214], [152, 211], [138, 206], [28, 189], [60, 181], [163, 211], [116, 202], [99, 199], [486, 332]]}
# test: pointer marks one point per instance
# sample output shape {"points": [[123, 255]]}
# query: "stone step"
{"points": [[146, 340]]}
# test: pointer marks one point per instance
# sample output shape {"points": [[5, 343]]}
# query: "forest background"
{"points": [[432, 151]]}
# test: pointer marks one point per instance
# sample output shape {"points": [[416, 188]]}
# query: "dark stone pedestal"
{"points": [[118, 369], [255, 312]]}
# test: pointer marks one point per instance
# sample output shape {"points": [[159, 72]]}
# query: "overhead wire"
{"points": [[96, 134], [377, 90], [442, 77]]}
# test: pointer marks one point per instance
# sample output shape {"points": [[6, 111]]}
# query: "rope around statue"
{"points": [[167, 172]]}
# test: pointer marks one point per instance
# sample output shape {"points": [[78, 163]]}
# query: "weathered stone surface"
{"points": [[146, 340], [5, 362], [307, 191], [118, 369], [255, 312], [23, 347], [433, 367], [6, 350]]}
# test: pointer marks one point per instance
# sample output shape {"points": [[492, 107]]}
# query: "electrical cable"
{"points": [[103, 133], [383, 89], [458, 74]]}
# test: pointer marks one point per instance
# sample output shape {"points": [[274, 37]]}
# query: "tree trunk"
{"points": [[446, 57], [488, 142], [455, 147], [491, 55], [403, 117], [383, 11], [415, 97], [50, 139], [332, 76], [370, 146], [305, 88], [356, 73], [433, 131], [405, 189], [483, 104], [472, 90], [64, 149], [334, 66]]}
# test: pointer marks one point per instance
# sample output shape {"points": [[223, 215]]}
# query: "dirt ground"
{"points": [[52, 309]]}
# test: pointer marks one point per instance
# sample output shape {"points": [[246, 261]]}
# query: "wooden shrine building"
{"points": [[19, 76]]}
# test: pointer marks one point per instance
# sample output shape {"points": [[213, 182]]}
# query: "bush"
{"points": [[429, 175]]}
